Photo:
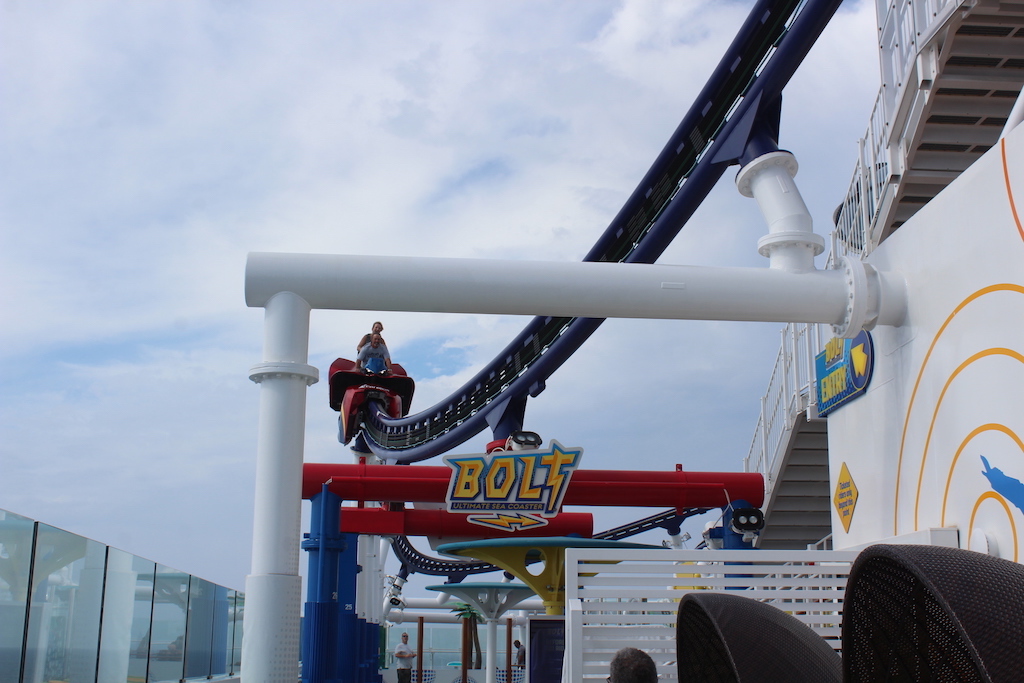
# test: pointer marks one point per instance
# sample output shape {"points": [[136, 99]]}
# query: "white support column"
{"points": [[491, 663], [273, 591]]}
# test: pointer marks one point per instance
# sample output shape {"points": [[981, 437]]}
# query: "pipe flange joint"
{"points": [[857, 299], [284, 370], [745, 178], [809, 240]]}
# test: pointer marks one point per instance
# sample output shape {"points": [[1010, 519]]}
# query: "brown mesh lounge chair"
{"points": [[925, 613], [731, 639]]}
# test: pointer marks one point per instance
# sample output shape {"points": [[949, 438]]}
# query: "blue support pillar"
{"points": [[369, 658], [349, 623], [337, 646], [325, 545]]}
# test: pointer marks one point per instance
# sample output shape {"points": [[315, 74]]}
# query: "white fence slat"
{"points": [[629, 619], [618, 598]]}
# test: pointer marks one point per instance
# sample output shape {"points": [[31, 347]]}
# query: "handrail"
{"points": [[868, 190], [791, 392], [905, 32]]}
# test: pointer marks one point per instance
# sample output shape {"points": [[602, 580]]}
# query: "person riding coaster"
{"points": [[374, 358], [352, 388]]}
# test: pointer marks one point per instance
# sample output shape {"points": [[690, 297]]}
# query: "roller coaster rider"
{"points": [[377, 328], [374, 358]]}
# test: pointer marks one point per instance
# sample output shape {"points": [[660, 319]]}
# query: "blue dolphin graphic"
{"points": [[1009, 488]]}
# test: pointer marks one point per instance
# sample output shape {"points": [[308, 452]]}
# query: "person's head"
{"points": [[631, 665], [378, 327], [405, 637], [516, 643], [375, 340]]}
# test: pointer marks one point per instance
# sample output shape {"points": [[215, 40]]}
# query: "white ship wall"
{"points": [[948, 386]]}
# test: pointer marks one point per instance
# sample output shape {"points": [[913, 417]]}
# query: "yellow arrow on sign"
{"points": [[860, 360]]}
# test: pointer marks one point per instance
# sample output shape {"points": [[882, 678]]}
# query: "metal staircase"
{"points": [[798, 512], [790, 447]]}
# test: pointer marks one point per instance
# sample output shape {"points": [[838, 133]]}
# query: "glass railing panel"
{"points": [[220, 639], [76, 611], [127, 613], [170, 617], [15, 566], [64, 608], [237, 629], [202, 610]]}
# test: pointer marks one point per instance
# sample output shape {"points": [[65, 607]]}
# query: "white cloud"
{"points": [[148, 147]]}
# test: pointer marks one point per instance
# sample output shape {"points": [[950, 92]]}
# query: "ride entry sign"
{"points": [[511, 490], [843, 371]]}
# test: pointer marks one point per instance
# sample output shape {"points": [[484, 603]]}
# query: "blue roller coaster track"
{"points": [[733, 119], [415, 562]]}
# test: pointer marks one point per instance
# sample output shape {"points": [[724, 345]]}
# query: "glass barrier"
{"points": [[64, 612], [77, 611], [124, 636], [236, 628], [15, 565]]}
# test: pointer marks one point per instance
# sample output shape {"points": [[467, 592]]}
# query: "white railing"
{"points": [[629, 598], [791, 392], [907, 29], [868, 189]]}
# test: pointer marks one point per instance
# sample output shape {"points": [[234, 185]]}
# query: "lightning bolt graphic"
{"points": [[557, 462], [507, 522]]}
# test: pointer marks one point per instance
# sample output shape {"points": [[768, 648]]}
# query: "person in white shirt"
{"points": [[403, 660], [374, 358]]}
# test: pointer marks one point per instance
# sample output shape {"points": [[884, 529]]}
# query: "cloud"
{"points": [[148, 147]]}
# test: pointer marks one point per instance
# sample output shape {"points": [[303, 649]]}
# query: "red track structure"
{"points": [[429, 484], [442, 524]]}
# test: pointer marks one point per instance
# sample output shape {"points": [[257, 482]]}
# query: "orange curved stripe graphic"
{"points": [[1009, 191], [1009, 514], [938, 405], [991, 427], [1004, 287]]}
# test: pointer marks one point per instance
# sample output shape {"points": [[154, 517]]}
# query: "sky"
{"points": [[147, 148]]}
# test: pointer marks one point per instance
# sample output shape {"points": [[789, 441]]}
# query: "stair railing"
{"points": [[791, 392]]}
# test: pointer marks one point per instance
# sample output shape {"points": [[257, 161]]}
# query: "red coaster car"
{"points": [[351, 391]]}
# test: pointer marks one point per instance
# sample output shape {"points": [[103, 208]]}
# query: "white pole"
{"points": [[492, 651], [270, 649]]}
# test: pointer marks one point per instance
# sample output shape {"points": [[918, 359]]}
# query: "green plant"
{"points": [[471, 618]]}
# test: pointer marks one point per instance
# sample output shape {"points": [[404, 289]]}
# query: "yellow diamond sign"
{"points": [[845, 499]]}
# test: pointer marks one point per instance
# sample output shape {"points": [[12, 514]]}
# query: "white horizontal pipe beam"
{"points": [[398, 616], [430, 603], [572, 289]]}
